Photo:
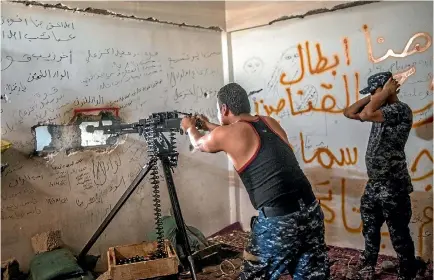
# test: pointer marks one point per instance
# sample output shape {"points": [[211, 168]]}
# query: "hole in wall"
{"points": [[73, 137]]}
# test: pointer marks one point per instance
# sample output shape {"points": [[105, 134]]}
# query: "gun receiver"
{"points": [[160, 122]]}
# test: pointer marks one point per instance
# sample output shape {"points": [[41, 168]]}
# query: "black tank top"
{"points": [[272, 176]]}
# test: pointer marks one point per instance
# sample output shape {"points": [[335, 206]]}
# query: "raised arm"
{"points": [[209, 125], [372, 111], [353, 112], [209, 143]]}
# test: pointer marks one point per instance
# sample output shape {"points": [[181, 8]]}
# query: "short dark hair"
{"points": [[235, 98]]}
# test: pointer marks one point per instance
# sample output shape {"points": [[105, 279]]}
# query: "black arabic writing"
{"points": [[193, 57], [37, 23], [117, 53], [47, 73], [18, 35], [51, 57]]}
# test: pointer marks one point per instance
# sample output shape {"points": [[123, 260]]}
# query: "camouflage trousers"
{"points": [[292, 243], [387, 201]]}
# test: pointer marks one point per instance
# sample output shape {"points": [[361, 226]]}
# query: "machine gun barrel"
{"points": [[160, 122], [116, 128]]}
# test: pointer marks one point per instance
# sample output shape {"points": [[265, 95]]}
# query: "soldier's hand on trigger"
{"points": [[187, 122], [202, 117], [204, 120], [392, 86]]}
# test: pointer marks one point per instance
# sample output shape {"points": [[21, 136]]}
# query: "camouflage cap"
{"points": [[376, 81]]}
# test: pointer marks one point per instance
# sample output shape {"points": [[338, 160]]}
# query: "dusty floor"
{"points": [[340, 260]]}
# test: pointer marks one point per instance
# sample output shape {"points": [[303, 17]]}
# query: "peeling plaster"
{"points": [[324, 10], [50, 139], [60, 6]]}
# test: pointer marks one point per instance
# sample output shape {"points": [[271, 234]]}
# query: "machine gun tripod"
{"points": [[159, 149]]}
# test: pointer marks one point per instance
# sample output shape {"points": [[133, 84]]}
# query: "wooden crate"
{"points": [[145, 269]]}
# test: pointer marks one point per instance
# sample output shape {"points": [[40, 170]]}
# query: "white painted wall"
{"points": [[247, 14], [201, 13], [261, 55], [161, 68], [32, 189]]}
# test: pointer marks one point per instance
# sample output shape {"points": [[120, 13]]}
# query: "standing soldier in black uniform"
{"points": [[386, 197], [288, 234]]}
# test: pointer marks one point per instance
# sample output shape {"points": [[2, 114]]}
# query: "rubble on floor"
{"points": [[46, 241], [232, 244], [11, 270], [229, 269], [50, 261], [235, 238], [341, 259]]}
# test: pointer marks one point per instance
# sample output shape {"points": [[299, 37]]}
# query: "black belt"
{"points": [[288, 208]]}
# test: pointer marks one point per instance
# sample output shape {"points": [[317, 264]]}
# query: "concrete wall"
{"points": [[48, 205], [247, 14], [200, 13], [55, 61], [330, 147]]}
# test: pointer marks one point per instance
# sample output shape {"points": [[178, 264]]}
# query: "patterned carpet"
{"points": [[341, 259]]}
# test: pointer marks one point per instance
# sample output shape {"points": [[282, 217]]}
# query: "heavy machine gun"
{"points": [[160, 148]]}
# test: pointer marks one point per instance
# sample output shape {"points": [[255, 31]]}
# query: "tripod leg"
{"points": [[178, 215], [136, 182]]}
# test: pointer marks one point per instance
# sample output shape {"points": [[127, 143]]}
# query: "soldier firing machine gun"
{"points": [[159, 148]]}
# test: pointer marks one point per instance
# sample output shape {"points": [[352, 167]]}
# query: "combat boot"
{"points": [[411, 273], [361, 271]]}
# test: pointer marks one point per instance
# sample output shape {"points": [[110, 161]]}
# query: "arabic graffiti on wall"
{"points": [[307, 90], [416, 48], [43, 30], [54, 63], [328, 102]]}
